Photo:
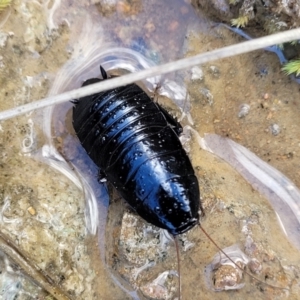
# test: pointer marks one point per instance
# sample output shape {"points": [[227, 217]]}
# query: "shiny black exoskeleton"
{"points": [[135, 144]]}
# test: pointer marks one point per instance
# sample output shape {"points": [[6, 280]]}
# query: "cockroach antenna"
{"points": [[178, 265], [155, 93], [103, 73]]}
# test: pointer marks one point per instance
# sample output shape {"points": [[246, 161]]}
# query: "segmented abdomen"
{"points": [[127, 136]]}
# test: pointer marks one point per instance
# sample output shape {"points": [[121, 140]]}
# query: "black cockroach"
{"points": [[135, 143]]}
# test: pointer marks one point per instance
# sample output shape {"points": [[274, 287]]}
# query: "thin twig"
{"points": [[31, 270], [184, 63]]}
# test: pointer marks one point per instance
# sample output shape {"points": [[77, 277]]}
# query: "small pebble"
{"points": [[255, 266], [31, 210], [275, 129], [208, 95], [244, 110], [3, 39], [266, 96], [197, 73], [226, 277], [214, 71]]}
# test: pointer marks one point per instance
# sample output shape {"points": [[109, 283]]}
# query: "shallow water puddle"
{"points": [[43, 210]]}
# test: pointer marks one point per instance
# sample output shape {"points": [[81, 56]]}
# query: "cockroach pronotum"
{"points": [[135, 143]]}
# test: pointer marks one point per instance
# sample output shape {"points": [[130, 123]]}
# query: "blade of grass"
{"points": [[292, 67], [30, 269]]}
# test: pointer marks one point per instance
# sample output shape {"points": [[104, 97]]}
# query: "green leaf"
{"points": [[292, 67]]}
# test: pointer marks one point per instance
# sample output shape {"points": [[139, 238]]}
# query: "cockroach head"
{"points": [[103, 73], [91, 81]]}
